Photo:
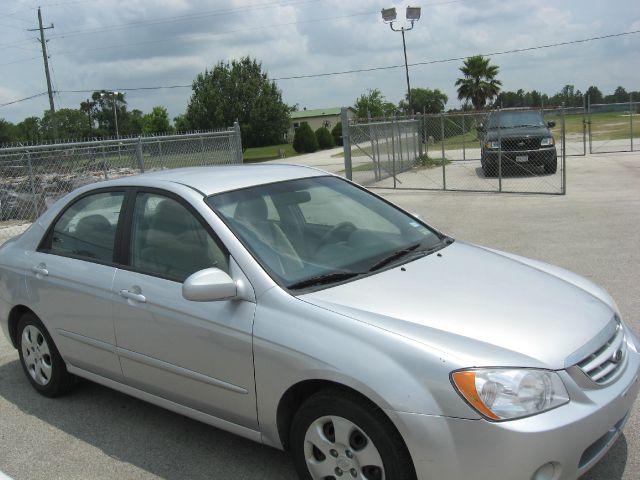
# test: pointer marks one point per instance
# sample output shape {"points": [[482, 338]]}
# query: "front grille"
{"points": [[519, 144], [603, 364]]}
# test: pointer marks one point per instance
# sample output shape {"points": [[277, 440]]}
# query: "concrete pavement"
{"points": [[97, 433]]}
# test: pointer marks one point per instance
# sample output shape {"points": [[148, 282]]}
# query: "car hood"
{"points": [[492, 134], [479, 305]]}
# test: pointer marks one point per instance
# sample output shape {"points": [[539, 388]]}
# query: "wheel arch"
{"points": [[15, 315], [298, 393]]}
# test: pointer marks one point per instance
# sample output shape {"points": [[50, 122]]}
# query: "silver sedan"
{"points": [[299, 310]]}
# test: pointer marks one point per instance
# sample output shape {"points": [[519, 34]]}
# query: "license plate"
{"points": [[522, 158]]}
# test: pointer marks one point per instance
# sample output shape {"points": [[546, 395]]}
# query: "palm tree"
{"points": [[479, 83]]}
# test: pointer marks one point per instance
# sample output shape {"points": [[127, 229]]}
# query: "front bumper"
{"points": [[571, 438], [538, 157]]}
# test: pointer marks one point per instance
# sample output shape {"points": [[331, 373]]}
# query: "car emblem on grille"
{"points": [[520, 144], [617, 356]]}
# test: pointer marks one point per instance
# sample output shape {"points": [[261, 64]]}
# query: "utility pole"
{"points": [[46, 67]]}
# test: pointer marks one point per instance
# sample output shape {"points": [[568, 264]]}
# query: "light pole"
{"points": [[413, 15], [115, 114]]}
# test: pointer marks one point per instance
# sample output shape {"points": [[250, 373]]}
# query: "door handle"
{"points": [[138, 297], [40, 269]]}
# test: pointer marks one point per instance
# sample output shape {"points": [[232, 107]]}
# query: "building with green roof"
{"points": [[316, 118]]}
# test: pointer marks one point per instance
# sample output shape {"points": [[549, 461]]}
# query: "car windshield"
{"points": [[506, 119], [321, 230]]}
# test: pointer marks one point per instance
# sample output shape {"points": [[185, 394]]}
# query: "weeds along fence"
{"points": [[33, 177], [460, 152]]}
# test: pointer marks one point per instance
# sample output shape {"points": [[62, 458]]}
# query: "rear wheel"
{"points": [[335, 435], [40, 358]]}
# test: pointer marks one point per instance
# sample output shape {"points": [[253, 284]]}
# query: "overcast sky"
{"points": [[115, 44]]}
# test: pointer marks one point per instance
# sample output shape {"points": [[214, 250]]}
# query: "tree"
{"points": [[595, 95], [89, 108], [304, 140], [239, 91], [325, 140], [424, 100], [336, 133], [157, 121], [8, 131], [479, 83], [29, 130], [71, 124], [181, 123], [374, 103], [135, 122], [104, 112]]}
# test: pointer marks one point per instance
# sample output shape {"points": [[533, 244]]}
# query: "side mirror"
{"points": [[209, 285], [551, 124]]}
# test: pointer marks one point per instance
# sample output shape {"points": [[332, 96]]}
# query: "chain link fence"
{"points": [[613, 127], [520, 151], [33, 177]]}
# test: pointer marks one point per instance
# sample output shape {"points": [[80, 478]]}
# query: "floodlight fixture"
{"points": [[413, 13], [389, 14]]}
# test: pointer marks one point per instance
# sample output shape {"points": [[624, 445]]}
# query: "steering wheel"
{"points": [[342, 229]]}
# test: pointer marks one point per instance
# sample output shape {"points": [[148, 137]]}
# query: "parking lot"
{"points": [[94, 432]]}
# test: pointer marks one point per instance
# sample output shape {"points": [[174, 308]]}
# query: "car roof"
{"points": [[220, 178]]}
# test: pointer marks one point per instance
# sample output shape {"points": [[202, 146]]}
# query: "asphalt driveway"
{"points": [[98, 433]]}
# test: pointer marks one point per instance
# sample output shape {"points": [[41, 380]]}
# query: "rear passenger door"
{"points": [[70, 281], [197, 354]]}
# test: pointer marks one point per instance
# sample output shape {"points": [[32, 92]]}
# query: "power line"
{"points": [[23, 99], [19, 61], [179, 18], [430, 62], [388, 67]]}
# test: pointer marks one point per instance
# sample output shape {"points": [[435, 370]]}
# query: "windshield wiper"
{"points": [[393, 256], [323, 279]]}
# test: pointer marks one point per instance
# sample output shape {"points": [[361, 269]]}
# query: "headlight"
{"points": [[509, 393], [492, 145], [547, 142]]}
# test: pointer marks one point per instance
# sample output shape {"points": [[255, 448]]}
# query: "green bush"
{"points": [[304, 140], [336, 133], [325, 140]]}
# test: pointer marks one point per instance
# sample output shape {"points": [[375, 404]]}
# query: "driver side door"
{"points": [[197, 354]]}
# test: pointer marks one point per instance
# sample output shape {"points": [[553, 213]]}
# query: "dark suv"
{"points": [[521, 138]]}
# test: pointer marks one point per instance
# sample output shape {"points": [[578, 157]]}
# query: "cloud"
{"points": [[116, 43]]}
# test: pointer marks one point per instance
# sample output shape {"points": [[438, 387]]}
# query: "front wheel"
{"points": [[336, 435], [40, 358], [552, 166]]}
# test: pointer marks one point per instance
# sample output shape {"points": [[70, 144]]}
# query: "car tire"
{"points": [[335, 432], [490, 171], [552, 166], [44, 367]]}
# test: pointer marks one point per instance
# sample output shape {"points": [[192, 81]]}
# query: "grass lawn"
{"points": [[261, 154]]}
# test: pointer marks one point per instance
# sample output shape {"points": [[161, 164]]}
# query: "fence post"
{"points": [[160, 155], [139, 155], [499, 152], [104, 164], [631, 119], [589, 122], [238, 138], [564, 153], [464, 132], [393, 147], [33, 187], [584, 125], [346, 143], [376, 171], [444, 174]]}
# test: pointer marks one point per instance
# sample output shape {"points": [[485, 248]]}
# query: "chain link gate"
{"points": [[460, 152], [33, 177]]}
